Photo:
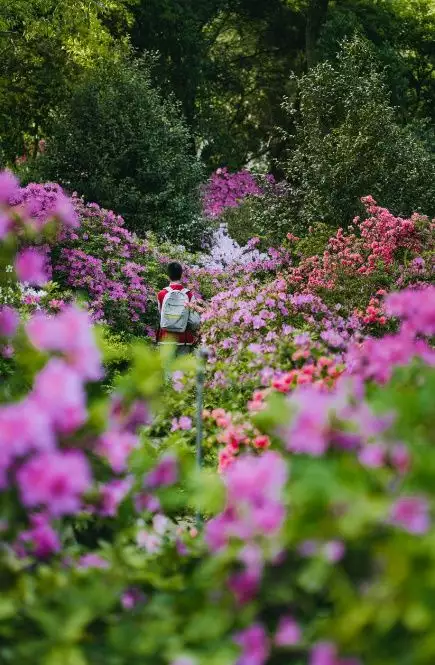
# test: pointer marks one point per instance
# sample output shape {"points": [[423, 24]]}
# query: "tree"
{"points": [[45, 46], [120, 143], [349, 142]]}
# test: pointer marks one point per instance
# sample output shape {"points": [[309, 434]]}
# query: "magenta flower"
{"points": [[9, 186], [92, 560], [323, 653], [412, 514], [183, 423], [41, 538], [55, 480], [373, 455], [254, 644], [334, 550], [69, 332], [254, 500], [31, 266], [164, 474], [132, 597], [112, 494], [59, 392], [24, 427], [288, 632], [117, 448], [9, 320]]}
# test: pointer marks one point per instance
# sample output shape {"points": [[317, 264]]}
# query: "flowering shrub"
{"points": [[227, 190], [117, 272], [317, 547]]}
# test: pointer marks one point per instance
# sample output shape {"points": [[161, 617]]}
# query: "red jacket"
{"points": [[187, 337]]}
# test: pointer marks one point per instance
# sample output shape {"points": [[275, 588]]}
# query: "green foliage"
{"points": [[118, 142], [270, 217], [45, 47], [348, 142]]}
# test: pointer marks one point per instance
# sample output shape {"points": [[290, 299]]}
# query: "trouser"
{"points": [[180, 350]]}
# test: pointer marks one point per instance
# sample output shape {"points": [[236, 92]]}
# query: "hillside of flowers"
{"points": [[314, 543]]}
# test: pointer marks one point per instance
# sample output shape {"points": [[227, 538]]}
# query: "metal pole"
{"points": [[200, 375]]}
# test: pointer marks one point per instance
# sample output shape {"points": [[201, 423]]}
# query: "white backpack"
{"points": [[175, 313]]}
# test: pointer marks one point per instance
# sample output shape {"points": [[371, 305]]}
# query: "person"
{"points": [[186, 339]]}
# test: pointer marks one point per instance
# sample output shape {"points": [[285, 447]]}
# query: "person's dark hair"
{"points": [[175, 271]]}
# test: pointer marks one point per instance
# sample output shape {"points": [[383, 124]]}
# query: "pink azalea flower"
{"points": [[9, 320], [334, 550], [254, 644], [288, 632], [9, 186], [92, 560], [30, 266], [112, 494], [59, 392], [117, 447], [55, 480], [323, 653], [373, 455], [411, 513], [164, 474], [41, 537]]}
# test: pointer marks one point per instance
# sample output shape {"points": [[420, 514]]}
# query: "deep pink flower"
{"points": [[112, 494], [132, 597], [55, 480], [59, 392], [69, 332], [373, 455], [254, 644], [288, 632], [92, 560], [117, 447], [30, 266], [9, 320], [41, 538], [164, 474], [323, 653], [411, 513], [24, 427], [334, 550], [9, 186]]}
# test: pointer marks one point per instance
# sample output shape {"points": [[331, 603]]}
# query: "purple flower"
{"points": [[132, 597], [55, 480], [254, 644], [164, 474], [9, 186], [372, 455], [92, 560], [9, 320], [411, 513], [288, 632], [334, 551], [112, 494], [41, 537], [323, 653], [31, 266]]}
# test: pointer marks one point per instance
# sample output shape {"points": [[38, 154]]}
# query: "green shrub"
{"points": [[118, 142], [348, 142]]}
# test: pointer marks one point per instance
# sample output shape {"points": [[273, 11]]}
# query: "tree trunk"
{"points": [[316, 15]]}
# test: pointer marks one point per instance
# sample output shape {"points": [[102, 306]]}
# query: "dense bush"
{"points": [[118, 142], [116, 272], [348, 143]]}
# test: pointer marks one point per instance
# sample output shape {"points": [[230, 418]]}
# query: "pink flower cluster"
{"points": [[376, 358], [254, 507], [225, 189], [109, 263], [36, 204], [368, 245]]}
